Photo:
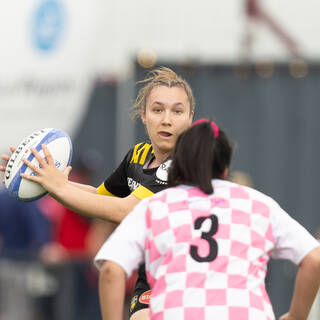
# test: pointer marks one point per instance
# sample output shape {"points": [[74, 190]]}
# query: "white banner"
{"points": [[47, 54]]}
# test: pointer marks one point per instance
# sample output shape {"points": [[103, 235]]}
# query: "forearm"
{"points": [[112, 280], [84, 187], [77, 197], [112, 209], [306, 286]]}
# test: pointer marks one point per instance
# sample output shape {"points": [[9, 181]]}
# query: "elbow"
{"points": [[120, 216], [110, 271], [106, 272]]}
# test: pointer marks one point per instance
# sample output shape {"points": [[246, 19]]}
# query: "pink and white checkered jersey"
{"points": [[206, 255]]}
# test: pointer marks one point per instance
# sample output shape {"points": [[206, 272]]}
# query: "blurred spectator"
{"points": [[73, 236], [59, 280], [24, 230], [23, 227], [75, 239]]}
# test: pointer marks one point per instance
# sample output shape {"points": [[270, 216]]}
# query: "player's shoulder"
{"points": [[139, 152], [253, 194], [142, 145]]}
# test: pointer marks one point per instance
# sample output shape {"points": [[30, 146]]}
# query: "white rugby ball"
{"points": [[60, 147]]}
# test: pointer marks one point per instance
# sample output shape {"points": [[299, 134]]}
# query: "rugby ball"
{"points": [[60, 147]]}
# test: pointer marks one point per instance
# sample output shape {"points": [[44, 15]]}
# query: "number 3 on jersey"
{"points": [[213, 245]]}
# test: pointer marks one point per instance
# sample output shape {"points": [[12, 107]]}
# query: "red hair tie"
{"points": [[213, 125]]}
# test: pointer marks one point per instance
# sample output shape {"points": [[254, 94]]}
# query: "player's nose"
{"points": [[166, 119]]}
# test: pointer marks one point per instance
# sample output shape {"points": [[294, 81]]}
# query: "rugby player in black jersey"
{"points": [[166, 106]]}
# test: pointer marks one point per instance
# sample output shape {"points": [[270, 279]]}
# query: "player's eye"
{"points": [[157, 110]]}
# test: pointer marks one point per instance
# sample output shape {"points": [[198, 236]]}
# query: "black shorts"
{"points": [[141, 294]]}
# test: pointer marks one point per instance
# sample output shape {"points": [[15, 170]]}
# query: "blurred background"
{"points": [[254, 66]]}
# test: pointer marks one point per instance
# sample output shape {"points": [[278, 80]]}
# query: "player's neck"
{"points": [[159, 157]]}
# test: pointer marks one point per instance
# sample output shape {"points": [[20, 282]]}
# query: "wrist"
{"points": [[60, 191]]}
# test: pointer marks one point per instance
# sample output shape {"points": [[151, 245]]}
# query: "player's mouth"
{"points": [[165, 134]]}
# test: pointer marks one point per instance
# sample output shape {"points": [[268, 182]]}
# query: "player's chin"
{"points": [[166, 146]]}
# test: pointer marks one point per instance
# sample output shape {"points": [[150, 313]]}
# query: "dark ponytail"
{"points": [[199, 156]]}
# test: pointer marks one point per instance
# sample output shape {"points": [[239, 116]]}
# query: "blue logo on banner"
{"points": [[48, 24]]}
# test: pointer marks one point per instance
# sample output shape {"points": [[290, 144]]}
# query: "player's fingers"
{"points": [[67, 171], [5, 157], [32, 166], [30, 178], [47, 154], [36, 154]]}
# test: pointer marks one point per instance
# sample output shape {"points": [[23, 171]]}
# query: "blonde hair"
{"points": [[161, 76]]}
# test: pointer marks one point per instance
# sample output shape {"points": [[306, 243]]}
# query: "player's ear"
{"points": [[191, 117], [225, 173], [143, 116]]}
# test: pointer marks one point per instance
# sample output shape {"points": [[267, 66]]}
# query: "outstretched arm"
{"points": [[81, 199], [84, 187], [112, 281], [112, 209], [306, 287]]}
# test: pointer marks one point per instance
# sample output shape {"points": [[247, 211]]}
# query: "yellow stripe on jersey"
{"points": [[103, 191], [136, 153], [142, 192], [145, 153]]}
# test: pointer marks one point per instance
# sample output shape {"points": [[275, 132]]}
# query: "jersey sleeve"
{"points": [[126, 244], [142, 192], [116, 184], [292, 240]]}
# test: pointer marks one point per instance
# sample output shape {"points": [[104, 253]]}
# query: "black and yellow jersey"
{"points": [[134, 177]]}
